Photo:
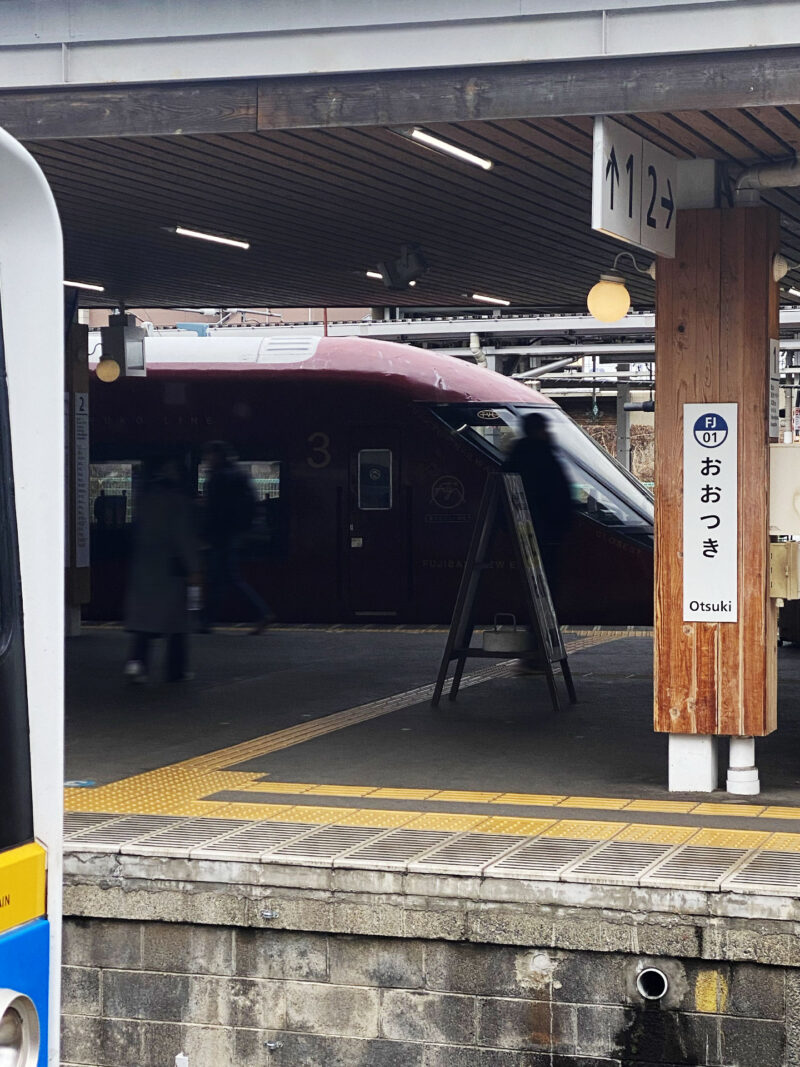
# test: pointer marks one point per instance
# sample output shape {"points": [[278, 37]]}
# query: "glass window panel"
{"points": [[375, 479], [111, 489]]}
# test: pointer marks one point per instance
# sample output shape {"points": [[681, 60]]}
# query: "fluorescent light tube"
{"points": [[375, 274], [86, 285], [182, 230], [450, 149], [490, 300]]}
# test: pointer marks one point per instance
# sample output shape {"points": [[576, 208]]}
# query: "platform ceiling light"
{"points": [[490, 299], [609, 299], [215, 238], [428, 139], [86, 285], [379, 277], [793, 292]]}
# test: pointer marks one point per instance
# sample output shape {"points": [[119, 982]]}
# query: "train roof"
{"points": [[420, 374]]}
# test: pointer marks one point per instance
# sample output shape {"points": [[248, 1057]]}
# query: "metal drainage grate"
{"points": [[468, 853], [111, 836], [546, 857], [77, 822], [252, 842], [776, 873], [694, 867], [618, 863], [393, 851], [180, 840], [319, 848]]}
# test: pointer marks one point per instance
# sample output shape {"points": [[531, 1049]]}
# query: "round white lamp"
{"points": [[107, 370], [609, 300]]}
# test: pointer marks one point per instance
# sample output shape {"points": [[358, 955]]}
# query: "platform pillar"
{"points": [[693, 763], [742, 771], [716, 310]]}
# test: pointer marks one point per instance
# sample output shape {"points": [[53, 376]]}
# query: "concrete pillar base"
{"points": [[742, 777], [693, 766]]}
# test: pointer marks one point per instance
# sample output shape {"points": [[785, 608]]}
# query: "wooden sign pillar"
{"points": [[716, 310]]}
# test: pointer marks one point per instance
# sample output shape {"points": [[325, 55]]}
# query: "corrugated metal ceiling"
{"points": [[321, 206]]}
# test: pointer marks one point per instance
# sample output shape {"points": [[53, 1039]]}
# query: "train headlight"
{"points": [[609, 300], [19, 1030]]}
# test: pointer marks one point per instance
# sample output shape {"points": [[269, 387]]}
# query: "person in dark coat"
{"points": [[230, 505], [547, 490], [165, 562]]}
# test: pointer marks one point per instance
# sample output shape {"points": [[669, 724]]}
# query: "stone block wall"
{"points": [[138, 992]]}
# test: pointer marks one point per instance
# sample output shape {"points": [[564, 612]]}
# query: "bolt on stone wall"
{"points": [[136, 993]]}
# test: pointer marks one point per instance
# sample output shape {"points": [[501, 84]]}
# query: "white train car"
{"points": [[31, 610]]}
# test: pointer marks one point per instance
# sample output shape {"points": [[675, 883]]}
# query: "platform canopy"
{"points": [[314, 170]]}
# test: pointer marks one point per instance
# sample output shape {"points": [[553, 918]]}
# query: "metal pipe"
{"points": [[549, 368], [769, 176]]}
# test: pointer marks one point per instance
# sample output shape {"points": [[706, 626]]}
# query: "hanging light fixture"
{"points": [[609, 299]]}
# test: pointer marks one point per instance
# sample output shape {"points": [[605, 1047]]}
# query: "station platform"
{"points": [[318, 747]]}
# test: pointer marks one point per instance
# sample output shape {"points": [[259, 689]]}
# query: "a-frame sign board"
{"points": [[505, 491]]}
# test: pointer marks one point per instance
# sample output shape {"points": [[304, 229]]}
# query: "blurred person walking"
{"points": [[534, 458], [165, 563], [229, 509]]}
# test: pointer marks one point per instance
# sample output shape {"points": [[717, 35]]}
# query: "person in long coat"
{"points": [[165, 562]]}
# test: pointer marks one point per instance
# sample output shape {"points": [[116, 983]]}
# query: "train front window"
{"points": [[601, 489]]}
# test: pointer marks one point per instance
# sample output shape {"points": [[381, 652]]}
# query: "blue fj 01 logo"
{"points": [[710, 430]]}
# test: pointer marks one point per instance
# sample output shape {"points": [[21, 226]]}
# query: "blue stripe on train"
{"points": [[25, 968]]}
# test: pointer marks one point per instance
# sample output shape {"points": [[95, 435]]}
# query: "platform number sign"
{"points": [[634, 185], [710, 520]]}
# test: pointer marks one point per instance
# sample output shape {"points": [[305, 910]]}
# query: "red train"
{"points": [[369, 460]]}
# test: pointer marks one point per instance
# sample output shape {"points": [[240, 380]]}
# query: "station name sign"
{"points": [[710, 512], [634, 185]]}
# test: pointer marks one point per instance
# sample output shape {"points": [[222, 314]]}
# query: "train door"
{"points": [[376, 539]]}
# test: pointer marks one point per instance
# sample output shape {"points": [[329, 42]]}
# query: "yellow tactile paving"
{"points": [[309, 813], [445, 821], [707, 808], [584, 830], [339, 790], [610, 803], [728, 839], [536, 800], [278, 787], [392, 793], [779, 842], [253, 812], [678, 807], [378, 817], [653, 834], [502, 824], [778, 812], [463, 796]]}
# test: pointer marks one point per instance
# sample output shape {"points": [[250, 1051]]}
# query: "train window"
{"points": [[264, 475], [268, 536], [601, 489], [375, 479], [111, 492], [600, 486]]}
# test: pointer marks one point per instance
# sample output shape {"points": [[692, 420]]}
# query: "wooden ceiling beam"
{"points": [[701, 81]]}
